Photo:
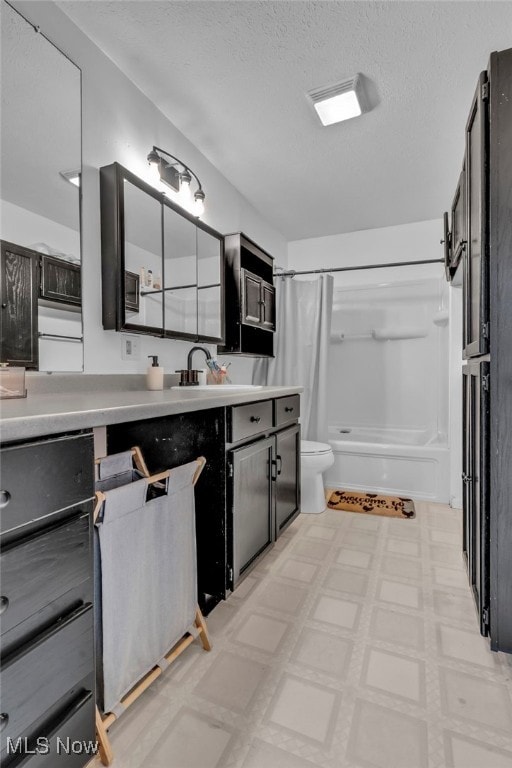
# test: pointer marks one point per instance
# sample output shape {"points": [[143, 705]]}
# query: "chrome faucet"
{"points": [[191, 353]]}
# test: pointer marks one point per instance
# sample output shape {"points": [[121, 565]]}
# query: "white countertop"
{"points": [[46, 414]]}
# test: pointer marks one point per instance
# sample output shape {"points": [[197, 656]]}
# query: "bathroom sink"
{"points": [[220, 387]]}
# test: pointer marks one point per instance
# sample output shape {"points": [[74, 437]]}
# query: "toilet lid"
{"points": [[309, 446]]}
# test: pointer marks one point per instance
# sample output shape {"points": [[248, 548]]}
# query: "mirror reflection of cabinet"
{"points": [[178, 260]]}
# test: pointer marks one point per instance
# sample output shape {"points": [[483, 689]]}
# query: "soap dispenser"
{"points": [[155, 374]]}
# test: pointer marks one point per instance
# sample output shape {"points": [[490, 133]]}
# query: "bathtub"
{"points": [[401, 462]]}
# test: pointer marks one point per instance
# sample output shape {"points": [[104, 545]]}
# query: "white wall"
{"points": [[408, 242], [120, 124]]}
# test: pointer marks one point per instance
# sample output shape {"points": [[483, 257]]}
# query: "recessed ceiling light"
{"points": [[338, 102]]}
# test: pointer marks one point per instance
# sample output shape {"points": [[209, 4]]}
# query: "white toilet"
{"points": [[315, 458]]}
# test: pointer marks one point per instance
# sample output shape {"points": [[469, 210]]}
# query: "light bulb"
{"points": [[185, 193], [199, 202], [198, 207]]}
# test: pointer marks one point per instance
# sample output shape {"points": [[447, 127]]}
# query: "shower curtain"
{"points": [[301, 348]]}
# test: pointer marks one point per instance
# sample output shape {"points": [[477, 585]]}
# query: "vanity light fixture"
{"points": [[72, 176], [341, 101], [178, 177]]}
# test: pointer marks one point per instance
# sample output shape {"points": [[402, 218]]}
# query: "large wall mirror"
{"points": [[41, 321]]}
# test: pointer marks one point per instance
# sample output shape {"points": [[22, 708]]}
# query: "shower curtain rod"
{"points": [[292, 272]]}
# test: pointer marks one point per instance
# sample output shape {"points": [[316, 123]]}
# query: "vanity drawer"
{"points": [[45, 670], [43, 477], [248, 420], [43, 568], [75, 725], [286, 409]]}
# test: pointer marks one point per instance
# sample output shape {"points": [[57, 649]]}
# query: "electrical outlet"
{"points": [[130, 348]]}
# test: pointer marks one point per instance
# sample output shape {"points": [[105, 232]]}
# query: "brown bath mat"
{"points": [[371, 504]]}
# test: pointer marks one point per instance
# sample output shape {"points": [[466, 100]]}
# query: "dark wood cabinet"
{"points": [[19, 288], [250, 298], [250, 480], [46, 569], [263, 478], [60, 281], [476, 254], [475, 476], [258, 302], [252, 502], [487, 315]]}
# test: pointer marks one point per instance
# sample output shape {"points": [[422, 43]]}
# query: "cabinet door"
{"points": [[476, 258], [476, 484], [251, 298], [268, 306], [447, 243], [60, 281], [19, 288], [252, 503], [458, 234], [287, 483]]}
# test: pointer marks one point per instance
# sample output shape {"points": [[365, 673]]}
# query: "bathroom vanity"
{"points": [[247, 495]]}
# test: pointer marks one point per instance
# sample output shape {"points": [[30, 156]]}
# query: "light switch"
{"points": [[130, 347]]}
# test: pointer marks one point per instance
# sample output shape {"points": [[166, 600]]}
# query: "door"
{"points": [[476, 484], [251, 494], [19, 288], [458, 234], [251, 298], [287, 474], [476, 257], [447, 243], [268, 306]]}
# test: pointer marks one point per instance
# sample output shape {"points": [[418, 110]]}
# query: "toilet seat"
{"points": [[311, 448]]}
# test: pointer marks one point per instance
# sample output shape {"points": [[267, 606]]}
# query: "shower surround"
{"points": [[387, 391]]}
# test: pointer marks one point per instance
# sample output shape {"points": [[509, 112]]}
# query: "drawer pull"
{"points": [[5, 497], [4, 719], [288, 408], [4, 604], [256, 419]]}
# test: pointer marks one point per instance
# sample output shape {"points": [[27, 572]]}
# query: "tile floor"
{"points": [[354, 644]]}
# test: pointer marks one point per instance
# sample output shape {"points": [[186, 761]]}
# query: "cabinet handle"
{"points": [[4, 719], [5, 497], [288, 408], [256, 419], [4, 604], [279, 464]]}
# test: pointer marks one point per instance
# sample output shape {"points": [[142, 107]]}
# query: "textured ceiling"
{"points": [[232, 76]]}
